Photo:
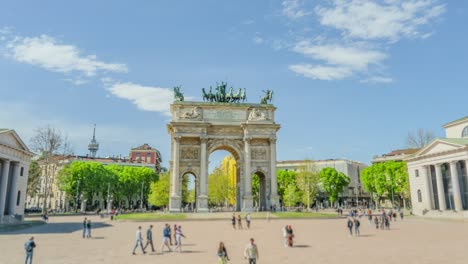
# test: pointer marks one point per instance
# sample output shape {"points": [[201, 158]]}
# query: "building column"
{"points": [[428, 197], [274, 199], [203, 195], [248, 200], [440, 187], [3, 186], [175, 199], [13, 188], [456, 186]]}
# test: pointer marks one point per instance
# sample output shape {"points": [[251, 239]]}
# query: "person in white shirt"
{"points": [[251, 252], [247, 219], [139, 241], [179, 236]]}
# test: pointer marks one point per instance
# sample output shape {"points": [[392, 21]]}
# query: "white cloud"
{"points": [[390, 20], [351, 57], [48, 53], [377, 79], [155, 99], [319, 72], [293, 9], [258, 40]]}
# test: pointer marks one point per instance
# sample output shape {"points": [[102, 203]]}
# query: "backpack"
{"points": [[28, 246]]}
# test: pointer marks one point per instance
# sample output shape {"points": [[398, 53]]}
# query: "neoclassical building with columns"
{"points": [[438, 174], [14, 167]]}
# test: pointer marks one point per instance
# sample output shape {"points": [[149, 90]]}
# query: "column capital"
{"points": [[177, 138], [272, 140], [247, 139], [203, 139], [454, 162]]}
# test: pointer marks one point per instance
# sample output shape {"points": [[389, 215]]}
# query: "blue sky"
{"points": [[351, 78]]}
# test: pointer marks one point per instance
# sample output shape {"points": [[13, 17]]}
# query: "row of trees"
{"points": [[387, 180], [92, 178]]}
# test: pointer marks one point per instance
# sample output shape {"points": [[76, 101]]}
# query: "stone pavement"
{"points": [[317, 241]]}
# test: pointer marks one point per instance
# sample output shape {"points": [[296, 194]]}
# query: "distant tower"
{"points": [[93, 145]]}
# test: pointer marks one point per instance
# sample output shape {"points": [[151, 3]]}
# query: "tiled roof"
{"points": [[144, 147]]}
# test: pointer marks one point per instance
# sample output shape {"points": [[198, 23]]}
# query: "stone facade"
{"points": [[15, 158], [438, 174], [247, 131]]}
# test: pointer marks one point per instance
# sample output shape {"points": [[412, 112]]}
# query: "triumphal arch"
{"points": [[222, 122]]}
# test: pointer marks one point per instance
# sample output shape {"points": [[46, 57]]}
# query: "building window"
{"points": [[148, 155], [22, 171], [137, 155], [465, 132], [18, 198], [416, 173], [419, 196]]}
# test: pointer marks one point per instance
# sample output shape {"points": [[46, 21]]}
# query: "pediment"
{"points": [[439, 147], [11, 139]]}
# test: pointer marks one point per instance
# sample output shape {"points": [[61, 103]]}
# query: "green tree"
{"points": [[386, 180], [218, 188], [307, 180], [292, 195], [284, 179], [34, 178], [159, 191], [333, 182]]}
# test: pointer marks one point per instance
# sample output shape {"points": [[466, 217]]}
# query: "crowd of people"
{"points": [[172, 236], [382, 219]]}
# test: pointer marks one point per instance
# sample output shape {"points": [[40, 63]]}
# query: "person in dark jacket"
{"points": [[149, 238], [29, 247], [350, 226]]}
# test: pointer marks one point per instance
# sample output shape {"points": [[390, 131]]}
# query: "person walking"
{"points": [[401, 215], [285, 236], [170, 234], [239, 222], [223, 257], [369, 216], [247, 220], [138, 241], [85, 222], [29, 248], [149, 238], [376, 222], [251, 252], [290, 236], [88, 229], [350, 227], [175, 239], [357, 224], [166, 236], [179, 236], [233, 220]]}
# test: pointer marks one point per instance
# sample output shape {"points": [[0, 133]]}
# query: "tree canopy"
{"points": [[333, 182], [159, 191]]}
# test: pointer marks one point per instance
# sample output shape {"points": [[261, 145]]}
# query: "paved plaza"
{"points": [[317, 241]]}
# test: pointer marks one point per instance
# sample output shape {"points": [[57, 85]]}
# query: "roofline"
{"points": [[455, 122], [17, 137], [327, 160]]}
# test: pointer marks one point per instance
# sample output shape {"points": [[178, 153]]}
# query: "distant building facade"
{"points": [[438, 174], [395, 155], [146, 154], [15, 158], [352, 194]]}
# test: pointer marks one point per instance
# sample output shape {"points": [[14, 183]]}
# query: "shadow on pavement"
{"points": [[56, 228], [301, 246]]}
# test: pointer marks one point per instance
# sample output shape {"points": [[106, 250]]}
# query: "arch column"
{"points": [[440, 187], [175, 199], [247, 203], [428, 197], [3, 186], [455, 186], [274, 198], [203, 196]]}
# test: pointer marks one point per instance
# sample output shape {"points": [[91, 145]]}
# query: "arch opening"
{"points": [[259, 191], [224, 179], [190, 191]]}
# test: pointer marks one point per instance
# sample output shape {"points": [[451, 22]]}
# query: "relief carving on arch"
{"points": [[189, 153], [259, 154], [194, 113]]}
